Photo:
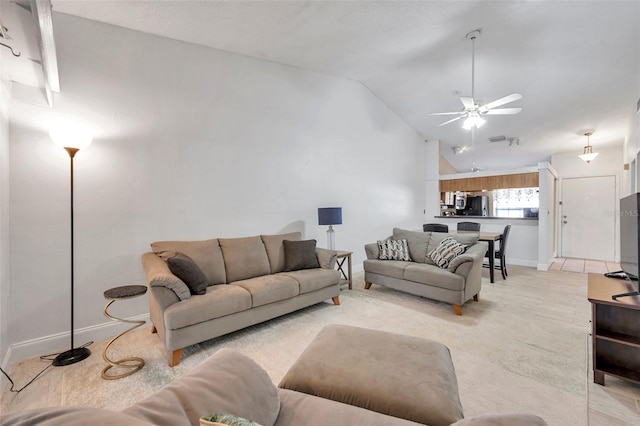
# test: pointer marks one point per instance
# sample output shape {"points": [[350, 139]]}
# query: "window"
{"points": [[520, 202]]}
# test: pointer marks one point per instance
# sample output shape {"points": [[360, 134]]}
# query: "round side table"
{"points": [[134, 363]]}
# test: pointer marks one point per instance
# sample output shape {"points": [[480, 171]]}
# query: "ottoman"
{"points": [[402, 376]]}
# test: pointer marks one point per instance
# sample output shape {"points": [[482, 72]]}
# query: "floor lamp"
{"points": [[330, 216], [72, 142]]}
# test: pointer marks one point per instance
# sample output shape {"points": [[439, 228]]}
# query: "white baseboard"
{"points": [[522, 262], [60, 342], [545, 266]]}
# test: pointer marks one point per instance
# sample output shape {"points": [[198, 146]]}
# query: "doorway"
{"points": [[588, 221]]}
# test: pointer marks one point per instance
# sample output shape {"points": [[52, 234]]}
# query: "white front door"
{"points": [[588, 221]]}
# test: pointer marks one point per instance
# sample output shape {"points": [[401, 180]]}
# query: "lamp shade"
{"points": [[330, 216], [70, 136], [588, 155]]}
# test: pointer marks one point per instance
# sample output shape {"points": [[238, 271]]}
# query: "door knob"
{"points": [[564, 221]]}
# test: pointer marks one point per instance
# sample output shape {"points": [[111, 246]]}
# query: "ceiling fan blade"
{"points": [[502, 111], [450, 121], [509, 98], [467, 102], [446, 113]]}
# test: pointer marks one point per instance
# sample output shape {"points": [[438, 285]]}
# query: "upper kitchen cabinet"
{"points": [[28, 54], [489, 183]]}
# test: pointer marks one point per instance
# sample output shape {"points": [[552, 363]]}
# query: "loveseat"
{"points": [[455, 281], [229, 383], [242, 281]]}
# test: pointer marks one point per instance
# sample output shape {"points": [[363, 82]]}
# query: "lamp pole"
{"points": [[74, 354]]}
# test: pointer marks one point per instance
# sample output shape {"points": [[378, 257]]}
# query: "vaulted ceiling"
{"points": [[576, 63]]}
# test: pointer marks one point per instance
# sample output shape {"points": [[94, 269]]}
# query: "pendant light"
{"points": [[588, 155]]}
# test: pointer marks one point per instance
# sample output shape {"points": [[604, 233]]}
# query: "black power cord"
{"points": [[30, 381], [48, 357]]}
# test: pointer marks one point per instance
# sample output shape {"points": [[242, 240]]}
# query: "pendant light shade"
{"points": [[588, 155]]}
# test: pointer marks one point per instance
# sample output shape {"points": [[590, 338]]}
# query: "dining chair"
{"points": [[435, 227], [501, 253], [468, 226]]}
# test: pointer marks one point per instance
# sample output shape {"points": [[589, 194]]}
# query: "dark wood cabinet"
{"points": [[615, 329]]}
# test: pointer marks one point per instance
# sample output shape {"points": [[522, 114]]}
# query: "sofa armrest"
{"points": [[502, 420], [372, 251], [474, 254], [158, 274], [226, 382], [326, 258], [458, 261]]}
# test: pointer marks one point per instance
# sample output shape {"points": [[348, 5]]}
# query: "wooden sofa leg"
{"points": [[175, 357], [336, 300], [153, 329], [457, 309], [476, 298], [367, 285]]}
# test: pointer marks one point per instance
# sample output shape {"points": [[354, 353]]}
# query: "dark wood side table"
{"points": [[341, 258], [615, 329], [133, 363]]}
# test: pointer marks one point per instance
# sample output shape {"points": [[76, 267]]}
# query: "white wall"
{"points": [[433, 160], [4, 223], [631, 149], [190, 143], [608, 162], [547, 216]]}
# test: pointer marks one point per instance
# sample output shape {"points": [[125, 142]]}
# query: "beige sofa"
{"points": [[246, 284], [459, 282], [231, 383]]}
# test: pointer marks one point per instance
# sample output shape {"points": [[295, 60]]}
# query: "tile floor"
{"points": [[584, 265]]}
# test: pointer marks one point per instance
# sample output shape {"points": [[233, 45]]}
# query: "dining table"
{"points": [[490, 238]]}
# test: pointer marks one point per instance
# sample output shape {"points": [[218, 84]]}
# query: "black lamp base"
{"points": [[71, 357]]}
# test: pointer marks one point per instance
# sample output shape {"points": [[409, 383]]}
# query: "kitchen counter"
{"points": [[523, 239], [484, 217]]}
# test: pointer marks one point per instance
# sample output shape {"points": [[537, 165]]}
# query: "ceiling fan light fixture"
{"points": [[588, 155], [474, 120], [473, 108]]}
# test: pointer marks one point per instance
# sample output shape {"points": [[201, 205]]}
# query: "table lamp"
{"points": [[330, 216]]}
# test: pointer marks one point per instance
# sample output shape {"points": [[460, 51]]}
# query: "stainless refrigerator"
{"points": [[477, 206]]}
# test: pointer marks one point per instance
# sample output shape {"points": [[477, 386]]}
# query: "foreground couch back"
{"points": [[231, 383], [249, 280]]}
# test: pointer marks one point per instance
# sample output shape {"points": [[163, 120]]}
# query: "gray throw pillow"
{"points": [[183, 267], [300, 255]]}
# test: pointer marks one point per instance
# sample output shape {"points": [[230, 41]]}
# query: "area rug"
{"points": [[521, 348]]}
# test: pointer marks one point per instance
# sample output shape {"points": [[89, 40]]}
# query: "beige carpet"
{"points": [[522, 348]]}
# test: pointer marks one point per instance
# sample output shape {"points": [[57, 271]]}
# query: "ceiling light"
{"points": [[459, 149], [474, 120], [588, 155]]}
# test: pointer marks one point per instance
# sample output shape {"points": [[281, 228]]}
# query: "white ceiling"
{"points": [[576, 63]]}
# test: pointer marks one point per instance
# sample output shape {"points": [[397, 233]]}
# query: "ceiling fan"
{"points": [[473, 110]]}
